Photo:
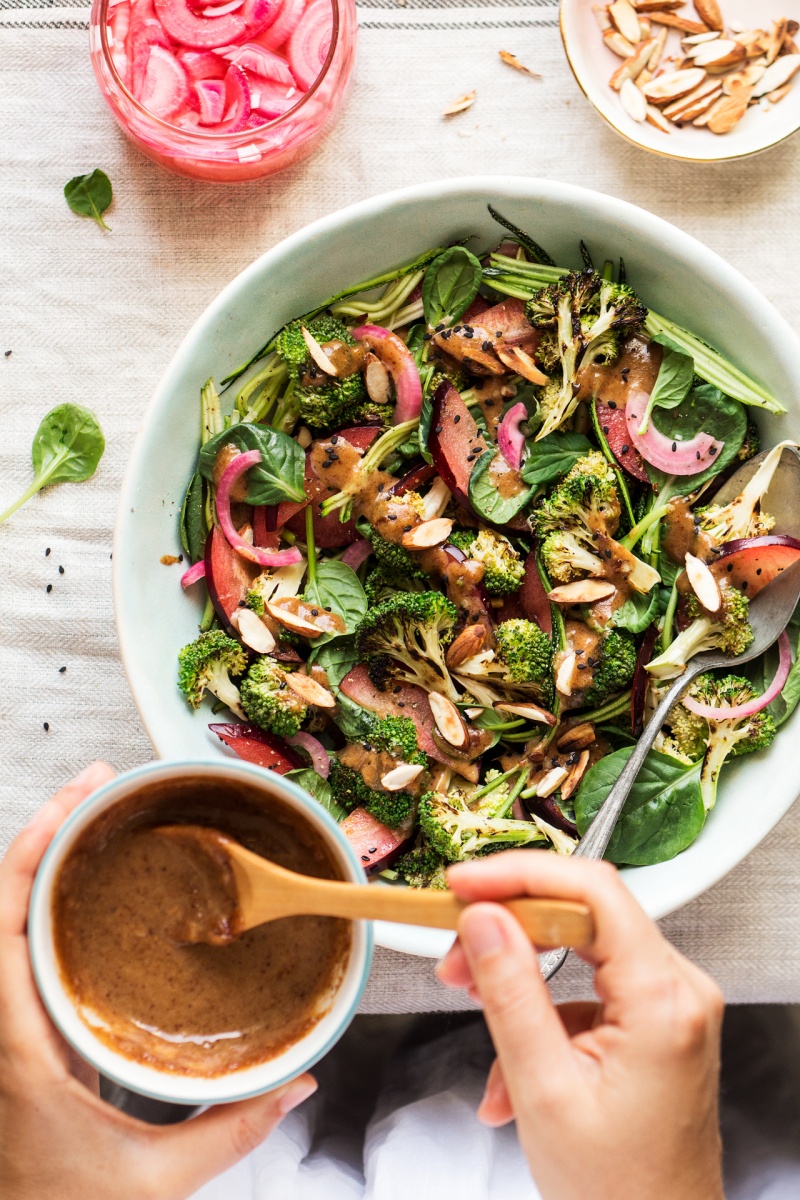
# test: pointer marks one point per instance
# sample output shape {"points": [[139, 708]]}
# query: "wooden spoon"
{"points": [[260, 891]]}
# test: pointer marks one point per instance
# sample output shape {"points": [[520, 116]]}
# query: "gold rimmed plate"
{"points": [[764, 125]]}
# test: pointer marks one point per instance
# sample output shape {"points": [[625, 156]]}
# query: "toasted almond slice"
{"points": [[401, 776], [697, 39], [564, 674], [582, 591], [309, 690], [781, 72], [626, 20], [633, 66], [293, 621], [697, 108], [655, 117], [650, 6], [718, 66], [303, 437], [789, 46], [672, 21], [468, 643], [654, 61], [707, 87], [579, 737], [670, 87], [317, 353], [616, 42], [460, 105], [643, 81], [511, 60], [577, 773], [746, 78], [377, 380], [702, 122], [522, 364], [633, 101], [428, 534], [781, 94], [531, 712], [552, 780], [645, 29], [601, 13], [449, 721], [712, 50], [246, 532], [709, 13], [730, 111], [472, 713], [775, 40], [252, 630], [792, 27], [704, 585]]}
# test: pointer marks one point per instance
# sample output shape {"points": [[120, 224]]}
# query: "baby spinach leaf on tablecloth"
{"points": [[487, 500], [449, 285], [706, 409], [554, 455], [66, 448], [279, 476], [663, 814], [337, 587], [90, 195], [320, 789]]}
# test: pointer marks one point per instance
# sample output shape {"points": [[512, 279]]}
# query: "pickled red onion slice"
{"points": [[357, 553], [202, 64], [315, 750], [252, 57], [738, 712], [258, 15], [222, 10], [237, 99], [510, 438], [165, 87], [287, 20], [272, 99], [201, 33], [194, 574], [670, 456], [398, 360], [310, 42], [211, 97], [265, 558]]}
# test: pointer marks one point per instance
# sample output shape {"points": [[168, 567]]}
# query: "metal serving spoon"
{"points": [[769, 614]]}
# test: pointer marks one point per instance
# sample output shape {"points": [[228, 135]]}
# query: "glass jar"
{"points": [[249, 153]]}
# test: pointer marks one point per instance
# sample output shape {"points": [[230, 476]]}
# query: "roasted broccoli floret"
{"points": [[423, 867], [351, 791], [751, 444], [319, 400], [456, 832], [728, 631], [743, 516], [615, 670], [504, 568], [525, 650], [683, 734], [406, 636], [206, 665], [520, 666], [588, 316], [395, 563], [728, 738], [268, 700]]}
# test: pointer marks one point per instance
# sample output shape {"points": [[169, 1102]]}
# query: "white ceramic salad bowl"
{"points": [[674, 273]]}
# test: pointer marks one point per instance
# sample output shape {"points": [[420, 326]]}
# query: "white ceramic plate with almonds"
{"points": [[706, 80]]}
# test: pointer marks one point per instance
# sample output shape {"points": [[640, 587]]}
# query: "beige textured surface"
{"points": [[95, 318]]}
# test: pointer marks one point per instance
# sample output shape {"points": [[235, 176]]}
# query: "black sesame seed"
{"points": [[61, 569], [438, 429], [712, 450], [489, 403], [674, 447], [397, 689], [61, 670], [47, 552], [624, 449], [372, 850], [381, 487], [365, 858], [241, 604], [456, 418], [8, 354], [698, 456], [605, 429], [439, 328], [591, 661], [406, 529], [325, 465], [448, 333], [499, 333], [315, 612], [468, 329], [744, 585], [608, 554], [49, 588], [487, 346], [392, 516], [401, 703], [581, 666], [468, 333], [612, 404], [46, 726], [334, 439], [758, 572], [730, 567]]}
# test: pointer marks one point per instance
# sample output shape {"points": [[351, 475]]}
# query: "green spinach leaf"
{"points": [[338, 588], [638, 612], [66, 448], [280, 474], [320, 789], [706, 409], [663, 814], [90, 195], [336, 660], [449, 285], [554, 455], [487, 500], [194, 529], [673, 383]]}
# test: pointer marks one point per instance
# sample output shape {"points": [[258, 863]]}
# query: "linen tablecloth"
{"points": [[94, 318]]}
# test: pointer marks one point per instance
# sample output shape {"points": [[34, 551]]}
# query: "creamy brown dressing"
{"points": [[506, 481], [635, 369], [328, 622], [682, 536], [199, 1010]]}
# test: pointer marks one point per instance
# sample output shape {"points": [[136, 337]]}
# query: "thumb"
{"points": [[187, 1156], [530, 1040]]}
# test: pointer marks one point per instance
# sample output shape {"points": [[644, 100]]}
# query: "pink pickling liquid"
{"points": [[230, 90]]}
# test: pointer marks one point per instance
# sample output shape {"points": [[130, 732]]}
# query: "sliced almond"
{"points": [[645, 29], [436, 500], [633, 66], [309, 690], [460, 105], [728, 111], [531, 712], [643, 577], [698, 39], [643, 80], [709, 13], [317, 353], [377, 380], [551, 781], [428, 534], [401, 776], [708, 87], [582, 591], [781, 72], [473, 713], [564, 674], [449, 722], [511, 60], [468, 643], [670, 87], [522, 364], [572, 781], [781, 94], [303, 437], [775, 40], [293, 621], [579, 737], [709, 114], [692, 111], [655, 117], [626, 20], [743, 79], [703, 583], [725, 62], [252, 630], [672, 21], [651, 6], [633, 101], [616, 42], [654, 61], [601, 13], [712, 50]]}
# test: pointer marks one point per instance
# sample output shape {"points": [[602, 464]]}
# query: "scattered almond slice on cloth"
{"points": [[461, 105], [678, 72], [511, 60]]}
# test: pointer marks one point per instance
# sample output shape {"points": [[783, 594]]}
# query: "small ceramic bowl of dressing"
{"points": [[192, 1024]]}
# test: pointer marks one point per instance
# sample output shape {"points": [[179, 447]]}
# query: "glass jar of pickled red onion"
{"points": [[226, 91]]}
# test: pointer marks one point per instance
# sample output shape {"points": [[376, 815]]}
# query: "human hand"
{"points": [[58, 1139], [616, 1100]]}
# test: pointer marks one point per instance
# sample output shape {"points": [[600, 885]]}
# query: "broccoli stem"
{"points": [[389, 304], [386, 444], [631, 540], [612, 708], [515, 791], [488, 788], [311, 547], [211, 418], [669, 620], [207, 619], [608, 271]]}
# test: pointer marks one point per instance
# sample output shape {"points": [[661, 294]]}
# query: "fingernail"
{"points": [[482, 934], [86, 774], [295, 1093]]}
